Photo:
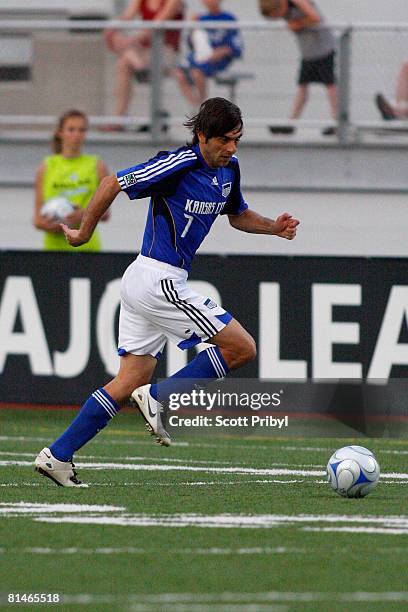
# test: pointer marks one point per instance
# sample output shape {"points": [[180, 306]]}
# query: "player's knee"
{"points": [[241, 354], [249, 351]]}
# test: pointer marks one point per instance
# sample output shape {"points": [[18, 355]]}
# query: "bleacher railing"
{"points": [[270, 53]]}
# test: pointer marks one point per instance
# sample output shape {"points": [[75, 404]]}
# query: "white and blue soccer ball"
{"points": [[353, 471], [57, 208]]}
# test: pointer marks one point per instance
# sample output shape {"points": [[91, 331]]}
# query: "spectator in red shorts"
{"points": [[133, 50]]}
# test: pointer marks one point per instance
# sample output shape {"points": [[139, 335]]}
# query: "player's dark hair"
{"points": [[56, 142], [216, 117]]}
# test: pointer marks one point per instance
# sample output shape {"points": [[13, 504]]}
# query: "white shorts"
{"points": [[157, 305]]}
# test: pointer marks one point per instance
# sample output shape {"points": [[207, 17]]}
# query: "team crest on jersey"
{"points": [[226, 189], [130, 179]]}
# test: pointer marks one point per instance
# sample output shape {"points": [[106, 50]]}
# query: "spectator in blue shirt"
{"points": [[210, 51]]}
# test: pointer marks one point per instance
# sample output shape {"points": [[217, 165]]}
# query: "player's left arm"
{"points": [[284, 226]]}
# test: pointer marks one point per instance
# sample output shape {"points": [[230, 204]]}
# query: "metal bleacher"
{"points": [[64, 63]]}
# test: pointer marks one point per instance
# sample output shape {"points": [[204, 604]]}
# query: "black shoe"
{"points": [[146, 127], [385, 108], [281, 129], [329, 131]]}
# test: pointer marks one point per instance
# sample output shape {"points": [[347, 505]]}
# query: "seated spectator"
{"points": [[317, 48], [133, 50], [71, 176], [211, 51], [398, 110]]}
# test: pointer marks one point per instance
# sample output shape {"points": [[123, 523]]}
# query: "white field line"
{"points": [[117, 515], [191, 607], [237, 597], [208, 483], [218, 483], [138, 458], [132, 442], [28, 507], [311, 449], [190, 468], [204, 483], [375, 530], [105, 440], [257, 519], [386, 525], [258, 550], [168, 460]]}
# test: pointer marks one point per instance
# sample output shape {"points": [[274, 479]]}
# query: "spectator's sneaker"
{"points": [[329, 131], [153, 413], [61, 472], [385, 108], [146, 127], [282, 129]]}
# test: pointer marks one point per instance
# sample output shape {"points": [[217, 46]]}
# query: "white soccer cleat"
{"points": [[153, 412], [61, 472]]}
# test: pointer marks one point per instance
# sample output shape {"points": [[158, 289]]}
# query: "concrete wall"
{"points": [[331, 224]]}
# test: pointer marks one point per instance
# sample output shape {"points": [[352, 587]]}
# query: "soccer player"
{"points": [[188, 188]]}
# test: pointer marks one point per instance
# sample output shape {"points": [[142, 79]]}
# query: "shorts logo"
{"points": [[130, 179], [210, 304], [226, 189]]}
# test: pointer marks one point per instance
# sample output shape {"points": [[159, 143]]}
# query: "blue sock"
{"points": [[208, 365], [94, 415]]}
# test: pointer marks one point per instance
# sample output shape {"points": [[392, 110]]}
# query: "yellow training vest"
{"points": [[75, 179]]}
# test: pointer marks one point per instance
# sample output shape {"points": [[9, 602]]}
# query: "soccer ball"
{"points": [[57, 208], [353, 471]]}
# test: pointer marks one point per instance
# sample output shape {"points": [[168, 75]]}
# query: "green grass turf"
{"points": [[202, 563]]}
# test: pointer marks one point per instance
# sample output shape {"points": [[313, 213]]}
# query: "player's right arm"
{"points": [[40, 221], [97, 207]]}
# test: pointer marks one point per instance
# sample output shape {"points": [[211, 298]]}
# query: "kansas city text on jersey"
{"points": [[204, 208]]}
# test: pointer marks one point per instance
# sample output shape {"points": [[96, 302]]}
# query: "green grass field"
{"points": [[218, 523]]}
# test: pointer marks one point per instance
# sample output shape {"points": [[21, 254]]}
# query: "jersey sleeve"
{"points": [[236, 204], [158, 176]]}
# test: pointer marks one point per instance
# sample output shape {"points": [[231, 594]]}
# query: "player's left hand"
{"points": [[285, 226]]}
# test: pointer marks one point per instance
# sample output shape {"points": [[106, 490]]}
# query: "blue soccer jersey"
{"points": [[186, 197]]}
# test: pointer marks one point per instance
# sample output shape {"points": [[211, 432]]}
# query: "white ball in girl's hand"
{"points": [[57, 208]]}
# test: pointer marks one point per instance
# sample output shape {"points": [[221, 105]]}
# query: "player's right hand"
{"points": [[73, 236]]}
